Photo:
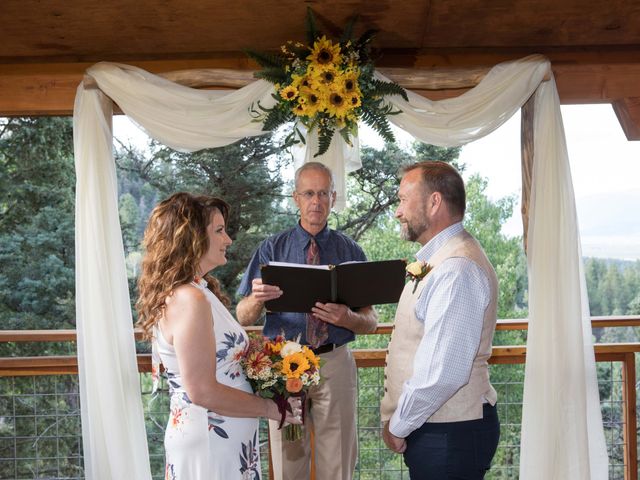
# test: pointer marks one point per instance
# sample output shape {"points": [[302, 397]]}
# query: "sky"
{"points": [[605, 169]]}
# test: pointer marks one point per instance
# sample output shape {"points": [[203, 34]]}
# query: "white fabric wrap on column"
{"points": [[562, 434], [113, 432], [189, 119]]}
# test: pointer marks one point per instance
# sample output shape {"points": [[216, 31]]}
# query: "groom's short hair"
{"points": [[441, 177]]}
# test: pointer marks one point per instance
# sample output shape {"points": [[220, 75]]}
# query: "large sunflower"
{"points": [[294, 365], [328, 75], [354, 100], [289, 93], [350, 81], [299, 109], [338, 106], [324, 53], [314, 101], [312, 357]]}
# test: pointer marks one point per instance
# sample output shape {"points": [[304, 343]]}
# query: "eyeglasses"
{"points": [[309, 194]]}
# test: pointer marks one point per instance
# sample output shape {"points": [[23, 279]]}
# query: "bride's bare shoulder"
{"points": [[186, 297]]}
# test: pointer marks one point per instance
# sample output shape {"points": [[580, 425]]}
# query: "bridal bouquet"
{"points": [[278, 369], [325, 85]]}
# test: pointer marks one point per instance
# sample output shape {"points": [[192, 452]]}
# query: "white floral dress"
{"points": [[201, 444]]}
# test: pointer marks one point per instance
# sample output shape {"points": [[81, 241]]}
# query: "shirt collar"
{"points": [[302, 237], [433, 245]]}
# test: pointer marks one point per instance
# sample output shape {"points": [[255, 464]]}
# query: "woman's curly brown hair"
{"points": [[174, 242]]}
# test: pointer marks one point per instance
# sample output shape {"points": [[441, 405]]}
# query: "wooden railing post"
{"points": [[629, 431]]}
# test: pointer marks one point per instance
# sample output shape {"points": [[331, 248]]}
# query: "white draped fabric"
{"points": [[562, 433], [113, 434]]}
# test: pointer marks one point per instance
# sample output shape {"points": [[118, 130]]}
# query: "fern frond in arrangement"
{"points": [[272, 74], [381, 89], [325, 134], [312, 31], [266, 59], [276, 117], [378, 121]]}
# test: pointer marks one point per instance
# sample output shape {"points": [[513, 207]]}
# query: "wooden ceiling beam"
{"points": [[628, 113], [49, 88]]}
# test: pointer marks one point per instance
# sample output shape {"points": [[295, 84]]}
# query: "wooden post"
{"points": [[270, 457], [629, 430], [526, 131]]}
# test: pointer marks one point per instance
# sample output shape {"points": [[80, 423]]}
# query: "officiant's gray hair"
{"points": [[315, 166]]}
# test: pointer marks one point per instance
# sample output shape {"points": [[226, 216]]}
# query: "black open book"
{"points": [[356, 284]]}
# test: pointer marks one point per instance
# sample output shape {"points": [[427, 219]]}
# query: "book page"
{"points": [[300, 265]]}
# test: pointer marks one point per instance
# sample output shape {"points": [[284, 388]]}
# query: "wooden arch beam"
{"points": [[411, 79], [628, 112]]}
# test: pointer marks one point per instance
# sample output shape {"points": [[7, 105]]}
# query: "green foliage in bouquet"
{"points": [[325, 86]]}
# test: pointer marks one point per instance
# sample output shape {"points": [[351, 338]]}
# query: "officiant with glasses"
{"points": [[328, 330]]}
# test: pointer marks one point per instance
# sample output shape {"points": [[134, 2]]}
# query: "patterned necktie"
{"points": [[317, 330]]}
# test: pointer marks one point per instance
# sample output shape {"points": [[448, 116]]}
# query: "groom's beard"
{"points": [[412, 230]]}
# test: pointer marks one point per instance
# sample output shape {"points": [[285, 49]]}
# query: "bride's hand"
{"points": [[294, 417]]}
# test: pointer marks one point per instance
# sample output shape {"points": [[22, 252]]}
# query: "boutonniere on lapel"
{"points": [[416, 271]]}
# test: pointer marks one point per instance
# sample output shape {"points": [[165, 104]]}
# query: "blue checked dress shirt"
{"points": [[292, 246], [451, 306]]}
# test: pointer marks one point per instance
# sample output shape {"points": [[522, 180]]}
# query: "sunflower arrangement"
{"points": [[278, 369], [325, 85]]}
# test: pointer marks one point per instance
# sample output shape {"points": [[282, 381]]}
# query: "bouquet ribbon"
{"points": [[284, 406]]}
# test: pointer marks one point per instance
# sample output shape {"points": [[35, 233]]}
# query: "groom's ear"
{"points": [[333, 198], [434, 202]]}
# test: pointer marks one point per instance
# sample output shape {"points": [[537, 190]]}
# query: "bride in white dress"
{"points": [[212, 431]]}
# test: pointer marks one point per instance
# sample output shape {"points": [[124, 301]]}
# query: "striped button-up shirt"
{"points": [[451, 306]]}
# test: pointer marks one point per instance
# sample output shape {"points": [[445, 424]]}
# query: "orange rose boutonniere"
{"points": [[416, 271]]}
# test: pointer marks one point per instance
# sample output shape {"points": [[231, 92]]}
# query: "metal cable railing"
{"points": [[40, 431]]}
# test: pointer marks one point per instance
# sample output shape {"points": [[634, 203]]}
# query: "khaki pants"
{"points": [[333, 419]]}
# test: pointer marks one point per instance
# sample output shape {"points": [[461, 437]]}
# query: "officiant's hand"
{"points": [[263, 292], [364, 320], [333, 313], [395, 444]]}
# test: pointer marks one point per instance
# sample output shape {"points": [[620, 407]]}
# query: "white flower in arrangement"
{"points": [[264, 374], [290, 348], [315, 378], [268, 384]]}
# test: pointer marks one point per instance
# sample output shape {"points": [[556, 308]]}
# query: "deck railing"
{"points": [[618, 354]]}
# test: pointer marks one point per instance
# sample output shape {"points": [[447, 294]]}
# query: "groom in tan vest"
{"points": [[439, 408]]}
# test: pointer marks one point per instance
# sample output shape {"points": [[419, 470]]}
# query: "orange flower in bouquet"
{"points": [[278, 369]]}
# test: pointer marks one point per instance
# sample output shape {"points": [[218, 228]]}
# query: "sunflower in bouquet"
{"points": [[278, 369], [326, 86]]}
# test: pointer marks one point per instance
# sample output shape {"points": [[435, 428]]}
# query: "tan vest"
{"points": [[466, 403]]}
